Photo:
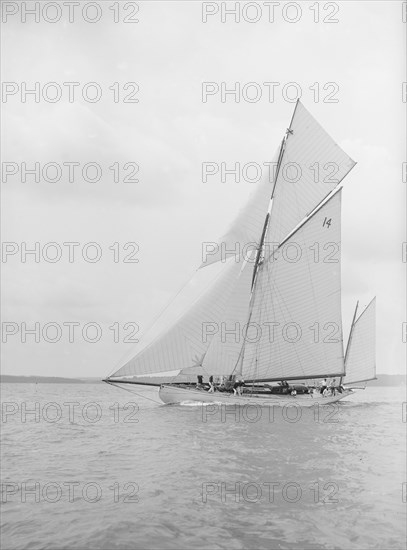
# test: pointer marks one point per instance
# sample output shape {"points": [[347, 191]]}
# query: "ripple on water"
{"points": [[190, 470]]}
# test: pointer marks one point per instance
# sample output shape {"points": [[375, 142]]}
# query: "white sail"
{"points": [[247, 227], [224, 350], [297, 304], [312, 166], [181, 342], [288, 325], [360, 362]]}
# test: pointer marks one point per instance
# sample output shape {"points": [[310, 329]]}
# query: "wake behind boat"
{"points": [[264, 307]]}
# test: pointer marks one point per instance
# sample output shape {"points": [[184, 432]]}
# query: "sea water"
{"points": [[93, 466]]}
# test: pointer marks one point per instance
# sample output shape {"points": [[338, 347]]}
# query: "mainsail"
{"points": [[360, 362], [297, 304]]}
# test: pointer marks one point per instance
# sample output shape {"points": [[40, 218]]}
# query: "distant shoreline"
{"points": [[382, 380], [9, 378]]}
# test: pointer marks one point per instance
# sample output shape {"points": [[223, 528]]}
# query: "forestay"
{"points": [[225, 347], [245, 231], [180, 341]]}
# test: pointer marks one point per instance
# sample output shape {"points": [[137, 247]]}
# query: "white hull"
{"points": [[175, 395]]}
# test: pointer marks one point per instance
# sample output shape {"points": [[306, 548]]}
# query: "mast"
{"points": [[267, 220], [260, 249], [350, 338]]}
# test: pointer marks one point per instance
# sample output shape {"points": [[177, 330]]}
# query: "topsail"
{"points": [[312, 166], [307, 167]]}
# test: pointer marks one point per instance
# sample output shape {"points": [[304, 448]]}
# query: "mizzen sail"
{"points": [[360, 363]]}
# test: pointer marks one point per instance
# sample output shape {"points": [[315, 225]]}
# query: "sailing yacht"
{"points": [[263, 311]]}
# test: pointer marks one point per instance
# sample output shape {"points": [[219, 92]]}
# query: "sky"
{"points": [[355, 57]]}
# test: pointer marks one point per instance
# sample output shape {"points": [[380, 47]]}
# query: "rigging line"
{"points": [[272, 311], [241, 352], [285, 315], [134, 393], [275, 307], [180, 374], [311, 215], [256, 366], [284, 310], [351, 331], [259, 309], [288, 132], [261, 250], [260, 261], [364, 311], [282, 151], [213, 340], [261, 314], [258, 264], [154, 321], [285, 318], [262, 311], [252, 304], [312, 288], [255, 376], [179, 316], [316, 305], [365, 353]]}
